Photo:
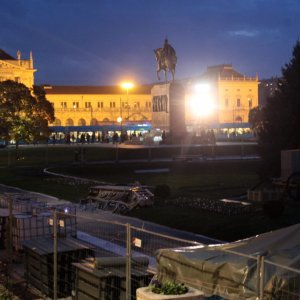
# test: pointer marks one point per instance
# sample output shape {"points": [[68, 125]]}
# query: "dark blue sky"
{"points": [[99, 42]]}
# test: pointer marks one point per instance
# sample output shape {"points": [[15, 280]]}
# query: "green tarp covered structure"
{"points": [[219, 270]]}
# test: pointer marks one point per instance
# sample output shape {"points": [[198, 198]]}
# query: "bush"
{"points": [[169, 288], [162, 191]]}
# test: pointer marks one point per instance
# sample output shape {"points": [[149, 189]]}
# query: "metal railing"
{"points": [[87, 254]]}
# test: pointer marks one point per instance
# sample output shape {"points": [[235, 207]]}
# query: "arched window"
{"points": [[81, 122], [239, 119], [94, 122], [57, 122], [69, 122]]}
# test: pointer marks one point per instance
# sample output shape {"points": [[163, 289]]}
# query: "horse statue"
{"points": [[166, 60]]}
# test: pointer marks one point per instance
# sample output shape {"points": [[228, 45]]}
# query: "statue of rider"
{"points": [[169, 51]]}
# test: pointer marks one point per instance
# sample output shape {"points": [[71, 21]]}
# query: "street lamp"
{"points": [[126, 86], [119, 120]]}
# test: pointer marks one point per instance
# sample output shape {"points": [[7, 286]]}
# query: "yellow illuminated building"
{"points": [[220, 95], [17, 69], [97, 105]]}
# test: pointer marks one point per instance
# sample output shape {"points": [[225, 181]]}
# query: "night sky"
{"points": [[102, 42]]}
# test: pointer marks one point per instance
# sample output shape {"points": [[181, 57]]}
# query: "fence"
{"points": [[107, 259]]}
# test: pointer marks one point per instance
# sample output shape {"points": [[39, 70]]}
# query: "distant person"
{"points": [[82, 138], [93, 137], [88, 137]]}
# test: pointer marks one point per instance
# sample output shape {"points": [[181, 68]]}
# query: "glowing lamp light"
{"points": [[127, 85], [119, 119], [201, 102]]}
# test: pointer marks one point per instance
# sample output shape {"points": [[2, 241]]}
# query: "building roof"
{"points": [[222, 71], [108, 90], [5, 56]]}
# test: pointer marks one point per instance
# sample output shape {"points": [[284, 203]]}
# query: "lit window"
{"points": [[226, 102], [63, 104], [250, 102]]}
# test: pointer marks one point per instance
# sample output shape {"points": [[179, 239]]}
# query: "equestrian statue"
{"points": [[166, 60]]}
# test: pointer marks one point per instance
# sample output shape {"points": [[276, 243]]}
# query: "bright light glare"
{"points": [[127, 85], [201, 102], [202, 88], [119, 119]]}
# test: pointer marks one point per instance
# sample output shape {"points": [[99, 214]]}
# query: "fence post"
{"points": [[55, 256], [117, 152], [149, 152], [128, 262], [10, 229], [260, 277]]}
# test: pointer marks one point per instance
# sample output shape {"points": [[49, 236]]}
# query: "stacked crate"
{"points": [[39, 263], [3, 227], [107, 280], [27, 227], [22, 203]]}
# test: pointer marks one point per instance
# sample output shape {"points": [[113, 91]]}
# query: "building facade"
{"points": [[17, 69], [97, 105], [267, 89], [222, 95]]}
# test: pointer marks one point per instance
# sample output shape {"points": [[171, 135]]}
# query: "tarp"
{"points": [[218, 270]]}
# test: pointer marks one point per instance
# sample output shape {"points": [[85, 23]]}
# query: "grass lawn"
{"points": [[209, 180]]}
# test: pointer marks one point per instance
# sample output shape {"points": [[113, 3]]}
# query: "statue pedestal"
{"points": [[168, 110]]}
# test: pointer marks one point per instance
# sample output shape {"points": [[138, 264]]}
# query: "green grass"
{"points": [[210, 179], [222, 227]]}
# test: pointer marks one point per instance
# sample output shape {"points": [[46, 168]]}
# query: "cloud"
{"points": [[245, 33], [270, 33]]}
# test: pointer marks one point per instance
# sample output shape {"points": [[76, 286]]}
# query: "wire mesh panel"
{"points": [[98, 257], [106, 276], [281, 281]]}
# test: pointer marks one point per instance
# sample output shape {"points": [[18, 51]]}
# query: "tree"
{"points": [[277, 125], [24, 113]]}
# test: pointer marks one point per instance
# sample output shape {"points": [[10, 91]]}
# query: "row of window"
{"points": [[82, 122], [100, 104], [16, 79], [238, 103]]}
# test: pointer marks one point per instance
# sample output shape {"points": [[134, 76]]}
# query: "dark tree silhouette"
{"points": [[277, 125]]}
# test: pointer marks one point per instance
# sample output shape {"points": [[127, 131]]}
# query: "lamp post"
{"points": [[127, 86], [119, 120]]}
